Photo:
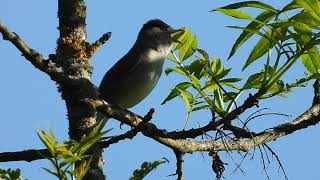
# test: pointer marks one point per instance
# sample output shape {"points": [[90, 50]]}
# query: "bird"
{"points": [[135, 75]]}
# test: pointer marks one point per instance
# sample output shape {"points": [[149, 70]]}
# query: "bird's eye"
{"points": [[164, 28]]}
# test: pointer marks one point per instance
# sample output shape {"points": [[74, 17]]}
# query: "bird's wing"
{"points": [[122, 68]]}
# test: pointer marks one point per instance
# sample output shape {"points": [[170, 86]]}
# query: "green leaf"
{"points": [[292, 5], [264, 44], [48, 140], [204, 54], [188, 48], [51, 172], [312, 7], [146, 168], [234, 13], [178, 70], [187, 98], [245, 35], [232, 103], [200, 107], [218, 95], [253, 4], [175, 92], [230, 80], [211, 86], [182, 37], [254, 81], [311, 60], [306, 18], [196, 68]]}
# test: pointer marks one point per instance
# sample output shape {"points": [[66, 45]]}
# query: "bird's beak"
{"points": [[176, 30], [175, 33]]}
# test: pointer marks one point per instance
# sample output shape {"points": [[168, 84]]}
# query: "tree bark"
{"points": [[72, 57]]}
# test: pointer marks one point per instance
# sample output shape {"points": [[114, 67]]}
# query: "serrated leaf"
{"points": [[253, 4], [175, 92], [245, 35]]}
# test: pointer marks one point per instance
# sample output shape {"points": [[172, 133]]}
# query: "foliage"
{"points": [[10, 174], [146, 168], [64, 157], [292, 38]]}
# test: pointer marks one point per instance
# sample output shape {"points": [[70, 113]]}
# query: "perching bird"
{"points": [[134, 76]]}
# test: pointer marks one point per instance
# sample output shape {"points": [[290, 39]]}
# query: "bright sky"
{"points": [[29, 100]]}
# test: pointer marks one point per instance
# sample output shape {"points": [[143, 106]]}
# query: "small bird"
{"points": [[134, 76]]}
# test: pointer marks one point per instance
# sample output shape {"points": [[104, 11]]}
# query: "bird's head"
{"points": [[156, 34]]}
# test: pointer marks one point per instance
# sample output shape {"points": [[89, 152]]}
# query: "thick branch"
{"points": [[31, 55], [310, 117]]}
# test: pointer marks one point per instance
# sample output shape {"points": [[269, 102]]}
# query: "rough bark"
{"points": [[72, 57]]}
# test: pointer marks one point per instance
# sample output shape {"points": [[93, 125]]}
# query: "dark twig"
{"points": [[27, 155], [31, 55], [129, 134], [278, 159]]}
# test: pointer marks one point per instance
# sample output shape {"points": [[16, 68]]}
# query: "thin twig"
{"points": [[92, 48]]}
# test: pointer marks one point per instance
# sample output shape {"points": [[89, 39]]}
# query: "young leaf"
{"points": [[175, 92], [253, 4], [312, 7], [235, 13], [187, 98], [311, 60], [178, 70], [146, 168], [204, 54], [245, 35], [188, 48], [264, 44], [254, 81]]}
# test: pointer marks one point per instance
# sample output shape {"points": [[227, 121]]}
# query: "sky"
{"points": [[30, 101]]}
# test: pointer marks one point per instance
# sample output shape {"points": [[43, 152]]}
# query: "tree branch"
{"points": [[92, 48], [37, 59], [310, 117], [26, 155], [179, 170]]}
